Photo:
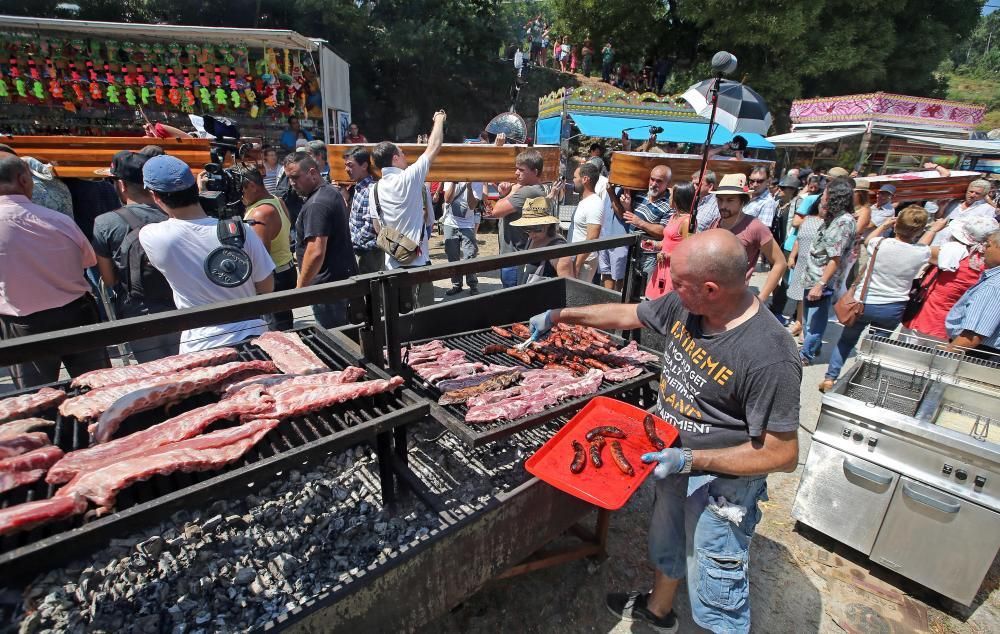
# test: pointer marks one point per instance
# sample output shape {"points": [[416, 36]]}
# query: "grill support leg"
{"points": [[594, 545], [387, 480], [372, 335], [631, 290]]}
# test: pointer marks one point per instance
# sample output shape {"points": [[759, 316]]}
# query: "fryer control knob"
{"points": [[980, 481], [947, 469], [961, 475], [858, 436], [872, 441]]}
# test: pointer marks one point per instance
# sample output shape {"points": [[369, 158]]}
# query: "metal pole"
{"points": [[693, 224]]}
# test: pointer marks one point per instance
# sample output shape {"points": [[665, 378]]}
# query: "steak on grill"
{"points": [[533, 401], [440, 359], [632, 352], [12, 479], [434, 373], [623, 373], [23, 443], [290, 353], [251, 402], [28, 467], [18, 427], [94, 402], [176, 363], [24, 405], [495, 382], [201, 453], [293, 400], [191, 382], [350, 374], [449, 385], [22, 517]]}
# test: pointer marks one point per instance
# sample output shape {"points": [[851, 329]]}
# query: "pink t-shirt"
{"points": [[753, 234], [42, 257]]}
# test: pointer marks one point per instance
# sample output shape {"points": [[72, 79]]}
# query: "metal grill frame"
{"points": [[49, 545], [453, 416]]}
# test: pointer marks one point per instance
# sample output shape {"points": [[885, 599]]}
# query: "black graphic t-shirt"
{"points": [[723, 389]]}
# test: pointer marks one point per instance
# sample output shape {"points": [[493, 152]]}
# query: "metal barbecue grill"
{"points": [[294, 441], [637, 389]]}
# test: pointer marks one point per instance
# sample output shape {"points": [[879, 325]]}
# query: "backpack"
{"points": [[144, 287]]}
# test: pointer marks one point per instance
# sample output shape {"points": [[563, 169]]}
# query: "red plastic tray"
{"points": [[606, 487]]}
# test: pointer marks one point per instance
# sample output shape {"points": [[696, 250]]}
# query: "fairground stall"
{"points": [[81, 78], [584, 111], [885, 133]]}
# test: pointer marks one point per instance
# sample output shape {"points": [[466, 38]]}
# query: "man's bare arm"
{"points": [[774, 451], [604, 316]]}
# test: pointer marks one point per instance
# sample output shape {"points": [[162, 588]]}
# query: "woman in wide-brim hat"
{"points": [[543, 231]]}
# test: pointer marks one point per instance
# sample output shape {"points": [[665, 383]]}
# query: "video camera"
{"points": [[223, 193]]}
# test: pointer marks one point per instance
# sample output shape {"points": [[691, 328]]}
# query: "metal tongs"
{"points": [[527, 342]]}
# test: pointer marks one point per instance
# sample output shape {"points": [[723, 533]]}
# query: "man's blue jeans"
{"points": [[885, 316], [817, 314]]}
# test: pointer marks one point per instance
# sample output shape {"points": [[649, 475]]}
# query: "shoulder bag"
{"points": [[849, 309], [391, 240], [919, 291]]}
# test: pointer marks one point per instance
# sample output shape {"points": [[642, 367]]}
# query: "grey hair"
{"points": [[980, 183], [994, 238]]}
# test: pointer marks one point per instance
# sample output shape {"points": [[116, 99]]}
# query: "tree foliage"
{"points": [[979, 54]]}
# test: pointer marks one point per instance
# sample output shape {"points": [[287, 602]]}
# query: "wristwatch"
{"points": [[688, 460]]}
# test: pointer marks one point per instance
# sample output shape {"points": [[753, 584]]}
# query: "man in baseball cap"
{"points": [[884, 209], [139, 289], [180, 246]]}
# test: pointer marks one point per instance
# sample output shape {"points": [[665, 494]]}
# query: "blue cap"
{"points": [[167, 174], [889, 189]]}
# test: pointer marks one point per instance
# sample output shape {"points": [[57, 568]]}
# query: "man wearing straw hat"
{"points": [[542, 229], [732, 194]]}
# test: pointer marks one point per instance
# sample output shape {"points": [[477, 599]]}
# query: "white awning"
{"points": [[257, 38], [806, 139], [977, 147]]}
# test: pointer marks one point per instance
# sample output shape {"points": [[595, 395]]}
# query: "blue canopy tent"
{"points": [[611, 127]]}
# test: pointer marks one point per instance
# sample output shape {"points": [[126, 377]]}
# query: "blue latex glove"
{"points": [[670, 461], [540, 324]]}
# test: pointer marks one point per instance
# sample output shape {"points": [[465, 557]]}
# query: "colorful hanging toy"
{"points": [[113, 93], [95, 91], [3, 88], [144, 95], [158, 95], [174, 95], [55, 89], [130, 96], [206, 97], [234, 98], [20, 87]]}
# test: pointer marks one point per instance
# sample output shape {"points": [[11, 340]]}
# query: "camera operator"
{"points": [[269, 219], [180, 246], [323, 236]]}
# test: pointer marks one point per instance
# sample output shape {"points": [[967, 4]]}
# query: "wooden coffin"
{"points": [[78, 157], [631, 169], [461, 162], [924, 185]]}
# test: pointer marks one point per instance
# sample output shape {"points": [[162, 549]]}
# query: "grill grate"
{"points": [[342, 425], [634, 390], [895, 390]]}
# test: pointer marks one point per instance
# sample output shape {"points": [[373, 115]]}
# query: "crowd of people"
{"points": [[541, 45], [817, 236]]}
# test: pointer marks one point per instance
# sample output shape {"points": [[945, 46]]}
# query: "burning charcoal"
{"points": [[152, 547], [245, 575]]}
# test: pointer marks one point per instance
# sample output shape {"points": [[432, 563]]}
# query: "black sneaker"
{"points": [[454, 290], [473, 290], [632, 607]]}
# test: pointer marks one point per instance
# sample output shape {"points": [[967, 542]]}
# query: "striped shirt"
{"points": [[708, 211], [657, 212], [271, 177], [978, 310]]}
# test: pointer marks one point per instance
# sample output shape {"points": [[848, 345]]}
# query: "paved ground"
{"points": [[790, 588]]}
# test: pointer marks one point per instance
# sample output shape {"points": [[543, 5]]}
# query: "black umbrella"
{"points": [[740, 108]]}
